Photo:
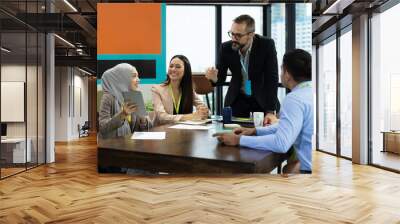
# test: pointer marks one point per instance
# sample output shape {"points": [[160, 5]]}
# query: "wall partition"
{"points": [[385, 89], [22, 63]]}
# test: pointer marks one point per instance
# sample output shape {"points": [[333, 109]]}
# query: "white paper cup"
{"points": [[258, 118]]}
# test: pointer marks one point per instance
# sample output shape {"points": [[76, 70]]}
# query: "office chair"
{"points": [[202, 86], [84, 130]]}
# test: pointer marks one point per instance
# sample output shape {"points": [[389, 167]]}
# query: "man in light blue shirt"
{"points": [[295, 126]]}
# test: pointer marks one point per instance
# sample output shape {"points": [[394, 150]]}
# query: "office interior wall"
{"points": [[12, 98], [11, 73], [34, 125], [62, 113], [71, 102], [81, 104], [16, 72], [24, 62]]}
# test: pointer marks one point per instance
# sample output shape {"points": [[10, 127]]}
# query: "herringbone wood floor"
{"points": [[71, 191]]}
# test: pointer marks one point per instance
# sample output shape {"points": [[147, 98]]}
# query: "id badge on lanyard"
{"points": [[247, 84]]}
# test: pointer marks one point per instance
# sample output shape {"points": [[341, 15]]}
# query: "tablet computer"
{"points": [[136, 97]]}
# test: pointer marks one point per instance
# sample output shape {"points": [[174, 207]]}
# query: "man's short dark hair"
{"points": [[298, 63], [248, 20]]}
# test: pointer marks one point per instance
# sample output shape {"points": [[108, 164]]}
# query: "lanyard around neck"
{"points": [[176, 105], [244, 59]]}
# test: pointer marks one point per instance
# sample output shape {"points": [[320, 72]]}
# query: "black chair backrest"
{"points": [[86, 125]]}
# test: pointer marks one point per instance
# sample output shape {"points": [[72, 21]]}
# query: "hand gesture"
{"points": [[211, 74], [244, 131], [270, 119], [228, 138], [202, 111], [129, 108]]}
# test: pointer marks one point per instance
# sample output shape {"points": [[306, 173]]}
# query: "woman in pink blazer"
{"points": [[174, 99]]}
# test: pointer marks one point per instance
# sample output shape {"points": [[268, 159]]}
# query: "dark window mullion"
{"points": [[0, 93], [267, 21], [37, 91], [218, 40], [26, 86], [317, 95], [290, 25], [338, 93]]}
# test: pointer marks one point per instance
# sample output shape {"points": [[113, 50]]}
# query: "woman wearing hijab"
{"points": [[115, 117], [174, 99]]}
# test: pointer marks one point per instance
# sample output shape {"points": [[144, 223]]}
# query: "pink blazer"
{"points": [[163, 104]]}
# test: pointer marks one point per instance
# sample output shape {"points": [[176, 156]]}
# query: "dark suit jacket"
{"points": [[263, 72]]}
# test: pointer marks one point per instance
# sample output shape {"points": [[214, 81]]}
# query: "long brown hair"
{"points": [[186, 86]]}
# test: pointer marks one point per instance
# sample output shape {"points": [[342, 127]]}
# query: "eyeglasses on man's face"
{"points": [[238, 35]]}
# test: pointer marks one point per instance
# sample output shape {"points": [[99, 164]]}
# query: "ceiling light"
{"points": [[337, 7], [71, 6], [65, 41], [84, 71], [5, 50]]}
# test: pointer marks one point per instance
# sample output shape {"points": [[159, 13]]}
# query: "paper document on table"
{"points": [[195, 122], [148, 135], [190, 127]]}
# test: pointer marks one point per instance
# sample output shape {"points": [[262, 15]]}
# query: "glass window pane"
{"points": [[278, 31], [327, 97], [303, 26], [13, 81], [41, 99], [346, 94], [191, 32], [31, 101], [229, 13], [385, 86]]}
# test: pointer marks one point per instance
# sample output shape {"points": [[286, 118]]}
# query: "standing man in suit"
{"points": [[252, 60]]}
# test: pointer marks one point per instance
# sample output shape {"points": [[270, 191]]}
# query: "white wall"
{"points": [[33, 127], [70, 83], [61, 103], [13, 73], [79, 117]]}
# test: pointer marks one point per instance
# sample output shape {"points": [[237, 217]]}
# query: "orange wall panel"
{"points": [[127, 28]]}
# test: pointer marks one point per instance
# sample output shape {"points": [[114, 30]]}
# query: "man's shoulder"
{"points": [[301, 96], [263, 40]]}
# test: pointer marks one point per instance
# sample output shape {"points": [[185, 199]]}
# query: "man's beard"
{"points": [[236, 46]]}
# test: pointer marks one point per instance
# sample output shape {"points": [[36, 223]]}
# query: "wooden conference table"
{"points": [[184, 151]]}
